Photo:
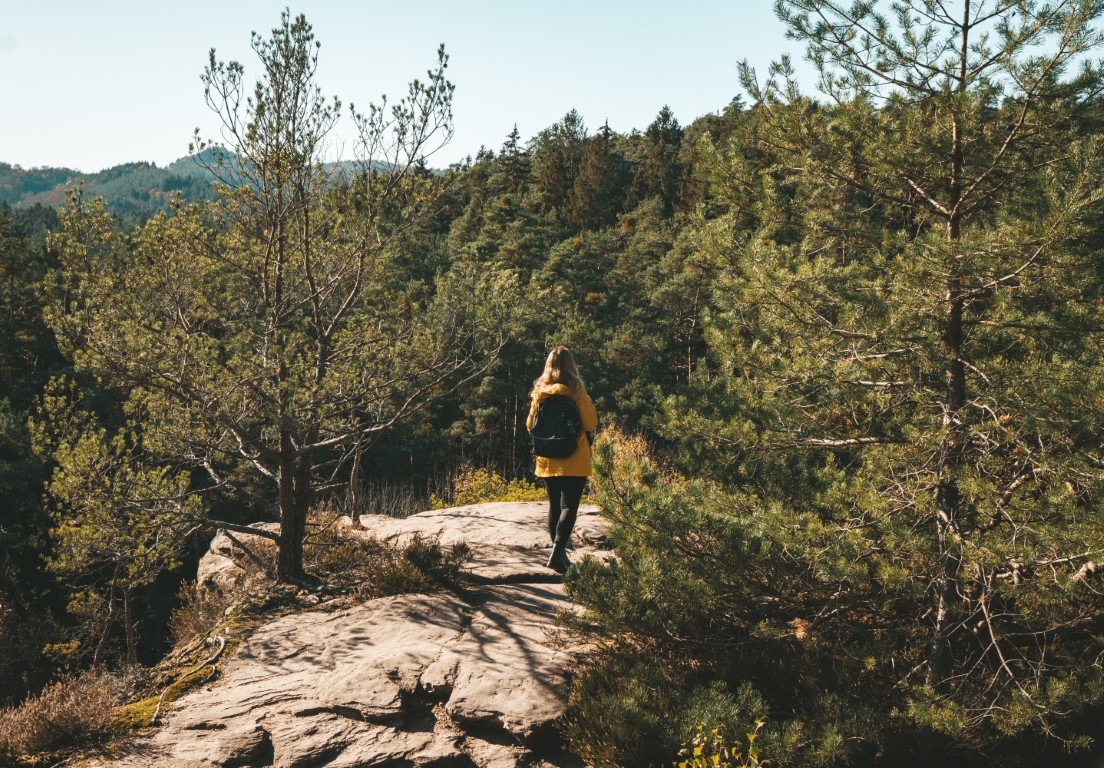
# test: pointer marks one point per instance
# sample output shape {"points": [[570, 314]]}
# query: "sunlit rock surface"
{"points": [[475, 678]]}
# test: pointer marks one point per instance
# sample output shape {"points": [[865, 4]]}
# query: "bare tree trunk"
{"points": [[947, 491], [128, 624], [514, 434], [354, 486], [947, 499], [101, 646]]}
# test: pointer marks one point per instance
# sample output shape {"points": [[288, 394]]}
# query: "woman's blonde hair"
{"points": [[559, 368]]}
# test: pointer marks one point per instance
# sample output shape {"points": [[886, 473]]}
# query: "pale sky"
{"points": [[90, 84]]}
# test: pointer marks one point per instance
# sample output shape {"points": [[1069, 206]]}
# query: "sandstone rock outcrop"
{"points": [[475, 678], [219, 568]]}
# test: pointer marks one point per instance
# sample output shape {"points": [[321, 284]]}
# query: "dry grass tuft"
{"points": [[200, 611], [396, 498], [370, 568], [70, 712]]}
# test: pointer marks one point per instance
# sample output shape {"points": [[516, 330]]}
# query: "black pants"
{"points": [[564, 494]]}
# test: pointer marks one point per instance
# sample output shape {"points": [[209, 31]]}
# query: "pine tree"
{"points": [[598, 192], [969, 116], [513, 163], [268, 337], [898, 410], [120, 519], [659, 172], [557, 152]]}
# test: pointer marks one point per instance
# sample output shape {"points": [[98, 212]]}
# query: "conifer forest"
{"points": [[846, 338]]}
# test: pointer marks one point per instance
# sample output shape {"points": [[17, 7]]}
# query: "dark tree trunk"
{"points": [[947, 497], [293, 525]]}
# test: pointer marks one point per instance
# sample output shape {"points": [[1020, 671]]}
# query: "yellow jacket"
{"points": [[579, 463]]}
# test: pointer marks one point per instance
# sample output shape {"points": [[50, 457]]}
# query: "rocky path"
{"points": [[471, 679]]}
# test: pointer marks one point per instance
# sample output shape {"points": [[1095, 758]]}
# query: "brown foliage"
{"points": [[69, 712], [372, 568], [200, 611]]}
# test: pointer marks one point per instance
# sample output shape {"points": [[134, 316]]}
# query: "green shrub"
{"points": [[695, 632], [629, 707], [616, 713]]}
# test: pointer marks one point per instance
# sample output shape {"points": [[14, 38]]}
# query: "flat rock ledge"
{"points": [[473, 679]]}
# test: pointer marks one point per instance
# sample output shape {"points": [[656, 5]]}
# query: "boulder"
{"points": [[221, 568]]}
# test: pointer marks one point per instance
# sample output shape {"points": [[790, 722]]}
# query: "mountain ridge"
{"points": [[135, 190]]}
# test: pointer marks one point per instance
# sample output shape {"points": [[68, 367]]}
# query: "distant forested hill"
{"points": [[133, 191]]}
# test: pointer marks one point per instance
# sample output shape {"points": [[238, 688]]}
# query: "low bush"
{"points": [[616, 712], [70, 712], [345, 559], [372, 568], [629, 708], [710, 748], [481, 486], [199, 612]]}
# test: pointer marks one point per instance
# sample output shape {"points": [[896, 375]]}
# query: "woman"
{"points": [[564, 478]]}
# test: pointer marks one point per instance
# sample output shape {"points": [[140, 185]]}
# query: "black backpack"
{"points": [[557, 427]]}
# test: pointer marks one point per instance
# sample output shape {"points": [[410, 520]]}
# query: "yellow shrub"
{"points": [[625, 457], [626, 467], [710, 749], [481, 486]]}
